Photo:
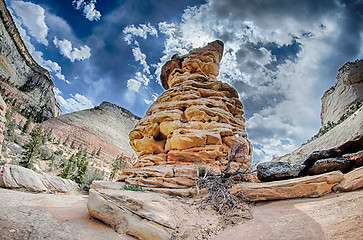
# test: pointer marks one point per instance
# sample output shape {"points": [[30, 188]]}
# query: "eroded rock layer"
{"points": [[197, 118]]}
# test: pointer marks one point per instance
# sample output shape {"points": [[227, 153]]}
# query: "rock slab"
{"points": [[352, 181], [310, 186], [149, 215], [16, 177]]}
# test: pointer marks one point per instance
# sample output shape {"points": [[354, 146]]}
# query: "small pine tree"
{"points": [[20, 124], [3, 146], [66, 141], [82, 165], [98, 152], [10, 131], [48, 134], [66, 173], [116, 166], [72, 145], [26, 126], [10, 125], [52, 162], [32, 148]]}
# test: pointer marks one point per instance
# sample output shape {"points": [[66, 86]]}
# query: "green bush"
{"points": [[132, 187]]}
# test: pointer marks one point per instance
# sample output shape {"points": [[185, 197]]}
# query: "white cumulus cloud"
{"points": [[142, 31], [74, 103], [141, 57], [89, 9], [33, 18], [66, 49], [133, 85], [276, 56], [51, 66]]}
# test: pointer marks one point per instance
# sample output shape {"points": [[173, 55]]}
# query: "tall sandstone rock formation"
{"points": [[195, 121], [22, 81]]}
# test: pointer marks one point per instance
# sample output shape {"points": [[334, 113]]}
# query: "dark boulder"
{"points": [[352, 146], [317, 155], [355, 158], [272, 171], [328, 165]]}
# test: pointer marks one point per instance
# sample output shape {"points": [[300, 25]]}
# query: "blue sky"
{"points": [[280, 55]]}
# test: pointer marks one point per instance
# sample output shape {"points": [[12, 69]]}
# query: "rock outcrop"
{"points": [[345, 157], [16, 177], [22, 81], [195, 119], [310, 186], [352, 181], [104, 127], [272, 171], [341, 114], [347, 93], [148, 215]]}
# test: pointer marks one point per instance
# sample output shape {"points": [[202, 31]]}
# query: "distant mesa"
{"points": [[105, 127]]}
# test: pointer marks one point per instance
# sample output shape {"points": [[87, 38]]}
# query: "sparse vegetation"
{"points": [[26, 125], [330, 125], [116, 166], [32, 148], [233, 208], [132, 187], [98, 152], [66, 141]]}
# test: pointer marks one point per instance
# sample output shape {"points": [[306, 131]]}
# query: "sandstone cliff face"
{"points": [[343, 99], [23, 82], [196, 119], [349, 90], [106, 126]]}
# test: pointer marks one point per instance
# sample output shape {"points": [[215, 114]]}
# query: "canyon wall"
{"points": [[346, 94], [341, 114], [25, 84]]}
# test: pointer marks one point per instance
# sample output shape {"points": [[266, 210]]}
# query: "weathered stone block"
{"points": [[310, 186]]}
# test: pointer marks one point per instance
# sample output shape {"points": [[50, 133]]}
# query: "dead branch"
{"points": [[218, 197]]}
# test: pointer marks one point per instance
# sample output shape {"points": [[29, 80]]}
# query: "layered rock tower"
{"points": [[196, 120]]}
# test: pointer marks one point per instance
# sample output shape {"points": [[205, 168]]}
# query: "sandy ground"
{"points": [[337, 216], [49, 216]]}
